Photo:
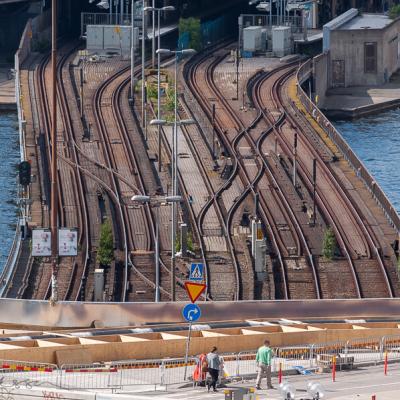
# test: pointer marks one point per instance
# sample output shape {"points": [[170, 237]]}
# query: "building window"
{"points": [[370, 58]]}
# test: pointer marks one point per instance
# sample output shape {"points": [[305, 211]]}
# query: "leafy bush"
{"points": [[329, 244], [192, 27], [105, 252], [394, 11]]}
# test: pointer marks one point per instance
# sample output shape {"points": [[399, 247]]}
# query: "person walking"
{"points": [[264, 361], [214, 363]]}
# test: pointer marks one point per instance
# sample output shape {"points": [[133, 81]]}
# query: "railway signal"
{"points": [[24, 170]]}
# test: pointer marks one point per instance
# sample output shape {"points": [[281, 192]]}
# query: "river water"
{"points": [[376, 141], [9, 156]]}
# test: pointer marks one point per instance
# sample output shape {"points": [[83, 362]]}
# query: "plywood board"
{"points": [[73, 356]]}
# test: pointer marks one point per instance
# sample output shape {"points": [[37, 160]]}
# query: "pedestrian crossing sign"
{"points": [[196, 272]]}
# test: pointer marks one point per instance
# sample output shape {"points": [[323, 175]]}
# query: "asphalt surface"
{"points": [[358, 384]]}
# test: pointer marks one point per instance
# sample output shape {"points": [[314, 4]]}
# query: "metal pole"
{"points": [[133, 44], [121, 19], [213, 128], [270, 14], [314, 186], [153, 42], [294, 159], [157, 295], [187, 349], [110, 10], [81, 89], [174, 191], [159, 94], [237, 74], [54, 183], [143, 59]]}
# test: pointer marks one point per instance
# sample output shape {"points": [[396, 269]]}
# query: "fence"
{"points": [[159, 374], [109, 19], [267, 21], [303, 73]]}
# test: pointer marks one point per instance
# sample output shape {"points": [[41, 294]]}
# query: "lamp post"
{"points": [[143, 61], [158, 10], [133, 45], [142, 199], [174, 171], [54, 182]]}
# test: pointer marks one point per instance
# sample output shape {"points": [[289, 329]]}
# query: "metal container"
{"points": [[281, 41], [252, 38]]}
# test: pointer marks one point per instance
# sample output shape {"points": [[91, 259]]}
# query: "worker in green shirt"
{"points": [[264, 361]]}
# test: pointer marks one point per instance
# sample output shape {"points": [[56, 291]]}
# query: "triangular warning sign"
{"points": [[194, 290]]}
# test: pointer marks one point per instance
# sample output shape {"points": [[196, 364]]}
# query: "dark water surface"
{"points": [[9, 158], [376, 141]]}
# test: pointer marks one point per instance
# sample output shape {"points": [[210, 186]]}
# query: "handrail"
{"points": [[303, 73], [20, 56]]}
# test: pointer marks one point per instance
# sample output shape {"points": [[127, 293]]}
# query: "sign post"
{"points": [[192, 312]]}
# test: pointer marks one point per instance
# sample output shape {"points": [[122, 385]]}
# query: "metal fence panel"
{"points": [[178, 371], [27, 373], [139, 373], [89, 376]]}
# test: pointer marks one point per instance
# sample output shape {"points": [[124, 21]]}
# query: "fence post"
{"points": [[382, 346], [162, 374], [237, 372], [334, 369], [311, 353], [386, 363]]}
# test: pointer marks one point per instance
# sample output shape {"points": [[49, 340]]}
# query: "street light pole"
{"points": [[143, 60], [133, 44], [153, 42], [159, 92], [157, 256], [54, 183]]}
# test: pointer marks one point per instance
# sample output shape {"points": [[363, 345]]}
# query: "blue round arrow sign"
{"points": [[191, 312]]}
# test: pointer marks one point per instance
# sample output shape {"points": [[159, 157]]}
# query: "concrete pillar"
{"points": [[98, 285]]}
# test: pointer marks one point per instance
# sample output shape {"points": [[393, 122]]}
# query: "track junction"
{"points": [[235, 164]]}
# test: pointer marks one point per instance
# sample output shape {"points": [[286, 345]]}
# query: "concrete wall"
{"points": [[390, 43], [320, 75], [348, 45]]}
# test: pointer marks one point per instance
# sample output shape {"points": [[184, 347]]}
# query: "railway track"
{"points": [[350, 230], [72, 207]]}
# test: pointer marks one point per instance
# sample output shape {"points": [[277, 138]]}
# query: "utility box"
{"points": [[111, 38], [98, 284], [252, 37], [281, 41], [95, 37]]}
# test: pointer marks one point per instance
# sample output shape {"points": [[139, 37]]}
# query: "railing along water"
{"points": [[303, 73]]}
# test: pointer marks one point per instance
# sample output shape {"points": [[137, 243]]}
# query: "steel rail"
{"points": [[282, 196], [355, 212]]}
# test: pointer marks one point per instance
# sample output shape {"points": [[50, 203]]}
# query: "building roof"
{"points": [[367, 21]]}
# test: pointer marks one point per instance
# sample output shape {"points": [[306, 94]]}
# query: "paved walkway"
{"points": [[7, 90], [358, 384], [357, 101]]}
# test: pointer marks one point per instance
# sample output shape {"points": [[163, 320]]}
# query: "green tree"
{"points": [[105, 252], [394, 11], [329, 244], [192, 27]]}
